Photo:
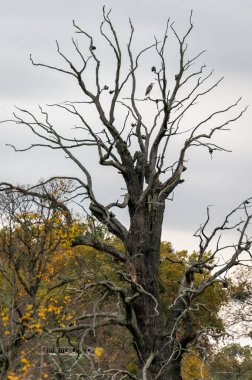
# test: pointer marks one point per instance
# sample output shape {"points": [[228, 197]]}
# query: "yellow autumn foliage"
{"points": [[12, 376], [99, 351], [194, 367]]}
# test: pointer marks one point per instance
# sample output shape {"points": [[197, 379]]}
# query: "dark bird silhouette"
{"points": [[210, 150], [148, 89]]}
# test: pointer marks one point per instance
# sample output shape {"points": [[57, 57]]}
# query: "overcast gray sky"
{"points": [[223, 28]]}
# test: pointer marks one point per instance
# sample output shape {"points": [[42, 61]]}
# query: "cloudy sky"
{"points": [[223, 28]]}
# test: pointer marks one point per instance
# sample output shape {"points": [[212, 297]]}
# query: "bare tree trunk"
{"points": [[143, 246]]}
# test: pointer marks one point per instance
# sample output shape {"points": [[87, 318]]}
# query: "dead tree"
{"points": [[136, 146]]}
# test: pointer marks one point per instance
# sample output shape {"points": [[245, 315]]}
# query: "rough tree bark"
{"points": [[136, 148]]}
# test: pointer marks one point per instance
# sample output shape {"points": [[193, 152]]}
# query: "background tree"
{"points": [[136, 136], [232, 362], [33, 246], [238, 311], [42, 280]]}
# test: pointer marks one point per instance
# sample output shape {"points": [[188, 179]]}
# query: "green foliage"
{"points": [[204, 309], [232, 362]]}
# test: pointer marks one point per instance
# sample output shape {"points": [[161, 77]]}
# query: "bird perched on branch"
{"points": [[148, 89]]}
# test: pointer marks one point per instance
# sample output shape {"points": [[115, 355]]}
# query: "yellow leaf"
{"points": [[99, 351]]}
